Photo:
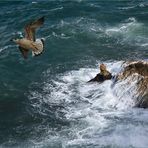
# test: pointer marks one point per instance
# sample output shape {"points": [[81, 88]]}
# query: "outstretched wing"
{"points": [[24, 52], [31, 27]]}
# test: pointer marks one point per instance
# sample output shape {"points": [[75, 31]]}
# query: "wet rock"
{"points": [[103, 75], [136, 72]]}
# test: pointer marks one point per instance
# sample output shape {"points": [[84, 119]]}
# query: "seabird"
{"points": [[29, 41]]}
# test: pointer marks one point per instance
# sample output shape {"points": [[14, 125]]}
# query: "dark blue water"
{"points": [[45, 101]]}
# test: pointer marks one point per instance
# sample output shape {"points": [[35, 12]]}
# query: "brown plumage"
{"points": [[30, 42]]}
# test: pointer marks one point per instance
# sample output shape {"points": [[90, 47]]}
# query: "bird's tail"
{"points": [[39, 47], [37, 53]]}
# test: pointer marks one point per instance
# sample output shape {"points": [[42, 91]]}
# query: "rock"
{"points": [[136, 72], [103, 75]]}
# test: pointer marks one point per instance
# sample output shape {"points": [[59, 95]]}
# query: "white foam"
{"points": [[6, 47], [34, 2], [55, 9], [98, 111], [124, 28], [144, 45], [126, 8]]}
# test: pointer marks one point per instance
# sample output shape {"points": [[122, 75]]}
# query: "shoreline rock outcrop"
{"points": [[138, 72]]}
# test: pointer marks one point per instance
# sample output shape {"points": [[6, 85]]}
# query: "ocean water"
{"points": [[45, 101]]}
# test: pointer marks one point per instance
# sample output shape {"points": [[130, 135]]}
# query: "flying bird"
{"points": [[29, 42]]}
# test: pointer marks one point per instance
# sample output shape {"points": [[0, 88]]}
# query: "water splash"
{"points": [[94, 110]]}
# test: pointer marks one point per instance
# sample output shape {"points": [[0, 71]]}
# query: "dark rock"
{"points": [[103, 75], [101, 78]]}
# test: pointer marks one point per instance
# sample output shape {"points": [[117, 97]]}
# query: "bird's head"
{"points": [[16, 37], [14, 40]]}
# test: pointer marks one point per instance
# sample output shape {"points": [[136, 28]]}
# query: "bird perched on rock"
{"points": [[29, 42]]}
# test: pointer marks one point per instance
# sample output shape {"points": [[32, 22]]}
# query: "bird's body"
{"points": [[29, 42], [24, 43]]}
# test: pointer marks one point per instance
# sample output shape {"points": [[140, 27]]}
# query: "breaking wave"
{"points": [[92, 109]]}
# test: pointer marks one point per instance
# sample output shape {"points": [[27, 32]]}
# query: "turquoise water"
{"points": [[45, 101]]}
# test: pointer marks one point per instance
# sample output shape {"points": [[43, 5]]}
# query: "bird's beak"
{"points": [[11, 39]]}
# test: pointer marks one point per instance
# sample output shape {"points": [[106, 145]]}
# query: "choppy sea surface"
{"points": [[45, 101]]}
